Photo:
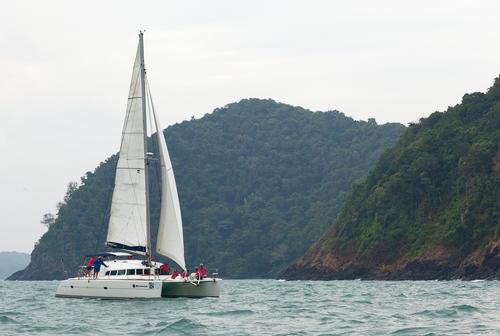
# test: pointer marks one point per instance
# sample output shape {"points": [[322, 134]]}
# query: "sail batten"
{"points": [[128, 217]]}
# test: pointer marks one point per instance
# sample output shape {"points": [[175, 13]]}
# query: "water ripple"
{"points": [[230, 312], [6, 319]]}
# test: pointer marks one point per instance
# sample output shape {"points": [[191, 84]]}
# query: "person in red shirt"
{"points": [[197, 272], [164, 269], [175, 274], [203, 271], [89, 266]]}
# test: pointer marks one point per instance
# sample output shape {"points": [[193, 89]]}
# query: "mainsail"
{"points": [[170, 241], [128, 223], [128, 219]]}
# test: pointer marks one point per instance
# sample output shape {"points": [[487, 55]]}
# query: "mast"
{"points": [[146, 158]]}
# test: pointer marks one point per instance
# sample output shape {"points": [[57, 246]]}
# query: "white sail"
{"points": [[170, 241], [127, 223]]}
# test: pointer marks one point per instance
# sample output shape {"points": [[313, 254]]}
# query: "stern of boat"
{"points": [[209, 287]]}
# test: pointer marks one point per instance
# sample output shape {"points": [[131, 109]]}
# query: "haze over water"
{"points": [[265, 307]]}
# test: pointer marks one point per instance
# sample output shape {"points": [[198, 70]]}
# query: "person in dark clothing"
{"points": [[97, 266]]}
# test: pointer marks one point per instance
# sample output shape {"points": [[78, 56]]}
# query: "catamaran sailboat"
{"points": [[129, 224]]}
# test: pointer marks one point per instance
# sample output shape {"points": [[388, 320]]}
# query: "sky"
{"points": [[65, 68]]}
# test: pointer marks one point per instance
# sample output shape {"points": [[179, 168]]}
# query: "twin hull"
{"points": [[131, 289]]}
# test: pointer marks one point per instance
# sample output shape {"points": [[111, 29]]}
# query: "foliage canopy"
{"points": [[439, 186]]}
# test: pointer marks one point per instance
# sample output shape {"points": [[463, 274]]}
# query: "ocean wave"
{"points": [[10, 313], [413, 331], [465, 308], [445, 312], [182, 326], [230, 312], [6, 319], [448, 311]]}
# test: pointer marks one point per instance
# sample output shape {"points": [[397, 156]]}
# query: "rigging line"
{"points": [[148, 107], [149, 101], [153, 108], [160, 133], [156, 145]]}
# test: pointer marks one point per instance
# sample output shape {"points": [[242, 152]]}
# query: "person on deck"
{"points": [[184, 274], [164, 269], [97, 266], [203, 271], [175, 274], [89, 266], [197, 272]]}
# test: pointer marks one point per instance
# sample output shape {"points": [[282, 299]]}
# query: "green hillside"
{"points": [[429, 209], [258, 182]]}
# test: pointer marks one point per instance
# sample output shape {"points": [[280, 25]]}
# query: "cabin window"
{"points": [[121, 272], [130, 272], [107, 273], [146, 271], [138, 271], [112, 273]]}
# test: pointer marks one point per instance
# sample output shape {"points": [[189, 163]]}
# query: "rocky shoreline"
{"points": [[484, 264]]}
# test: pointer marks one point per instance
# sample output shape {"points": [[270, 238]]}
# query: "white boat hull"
{"points": [[137, 288], [109, 289]]}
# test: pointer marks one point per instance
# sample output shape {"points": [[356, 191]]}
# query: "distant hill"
{"points": [[429, 210], [258, 181], [11, 262]]}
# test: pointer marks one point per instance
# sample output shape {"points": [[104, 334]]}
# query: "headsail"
{"points": [[128, 220], [170, 241]]}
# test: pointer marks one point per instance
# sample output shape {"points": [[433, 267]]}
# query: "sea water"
{"points": [[264, 307]]}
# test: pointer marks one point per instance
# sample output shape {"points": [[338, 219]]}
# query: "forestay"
{"points": [[127, 223]]}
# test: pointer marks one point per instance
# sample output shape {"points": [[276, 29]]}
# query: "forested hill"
{"points": [[429, 210], [258, 182]]}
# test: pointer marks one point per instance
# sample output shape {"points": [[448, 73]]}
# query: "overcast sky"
{"points": [[65, 68]]}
